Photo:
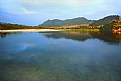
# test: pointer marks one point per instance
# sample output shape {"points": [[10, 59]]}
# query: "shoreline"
{"points": [[29, 30]]}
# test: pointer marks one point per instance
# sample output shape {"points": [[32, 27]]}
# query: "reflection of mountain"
{"points": [[79, 36], [84, 35]]}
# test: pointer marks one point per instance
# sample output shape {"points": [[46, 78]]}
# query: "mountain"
{"points": [[68, 22], [80, 20], [105, 20]]}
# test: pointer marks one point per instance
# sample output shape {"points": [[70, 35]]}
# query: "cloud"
{"points": [[41, 10], [26, 11], [64, 2]]}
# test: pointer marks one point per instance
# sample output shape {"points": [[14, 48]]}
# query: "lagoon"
{"points": [[60, 56]]}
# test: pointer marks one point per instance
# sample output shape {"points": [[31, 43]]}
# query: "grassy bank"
{"points": [[81, 29]]}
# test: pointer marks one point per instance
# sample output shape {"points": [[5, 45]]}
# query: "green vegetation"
{"points": [[106, 28], [112, 27], [82, 29]]}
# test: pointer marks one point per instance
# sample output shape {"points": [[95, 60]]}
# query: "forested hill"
{"points": [[9, 26], [68, 22], [80, 20], [105, 20]]}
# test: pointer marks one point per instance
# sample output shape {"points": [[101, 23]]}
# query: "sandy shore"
{"points": [[29, 30]]}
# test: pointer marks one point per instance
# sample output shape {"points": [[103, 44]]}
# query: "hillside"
{"points": [[68, 22], [79, 21], [105, 20]]}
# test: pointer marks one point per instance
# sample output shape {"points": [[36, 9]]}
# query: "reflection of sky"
{"points": [[34, 12], [33, 54], [23, 47], [17, 43]]}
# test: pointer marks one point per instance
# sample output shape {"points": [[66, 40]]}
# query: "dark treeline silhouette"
{"points": [[6, 26]]}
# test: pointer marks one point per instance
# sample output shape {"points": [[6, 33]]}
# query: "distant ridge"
{"points": [[79, 21], [67, 22]]}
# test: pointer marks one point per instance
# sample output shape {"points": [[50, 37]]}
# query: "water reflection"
{"points": [[4, 34], [41, 57], [84, 35]]}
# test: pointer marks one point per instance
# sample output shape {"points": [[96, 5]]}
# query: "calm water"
{"points": [[60, 56]]}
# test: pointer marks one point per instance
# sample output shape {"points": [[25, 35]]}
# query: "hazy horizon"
{"points": [[29, 12]]}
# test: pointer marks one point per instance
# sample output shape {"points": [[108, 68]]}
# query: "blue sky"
{"points": [[35, 12]]}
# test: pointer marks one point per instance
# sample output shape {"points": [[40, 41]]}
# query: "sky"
{"points": [[35, 12]]}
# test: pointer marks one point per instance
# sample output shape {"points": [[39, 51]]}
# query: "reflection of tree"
{"points": [[108, 38], [4, 34], [84, 35]]}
